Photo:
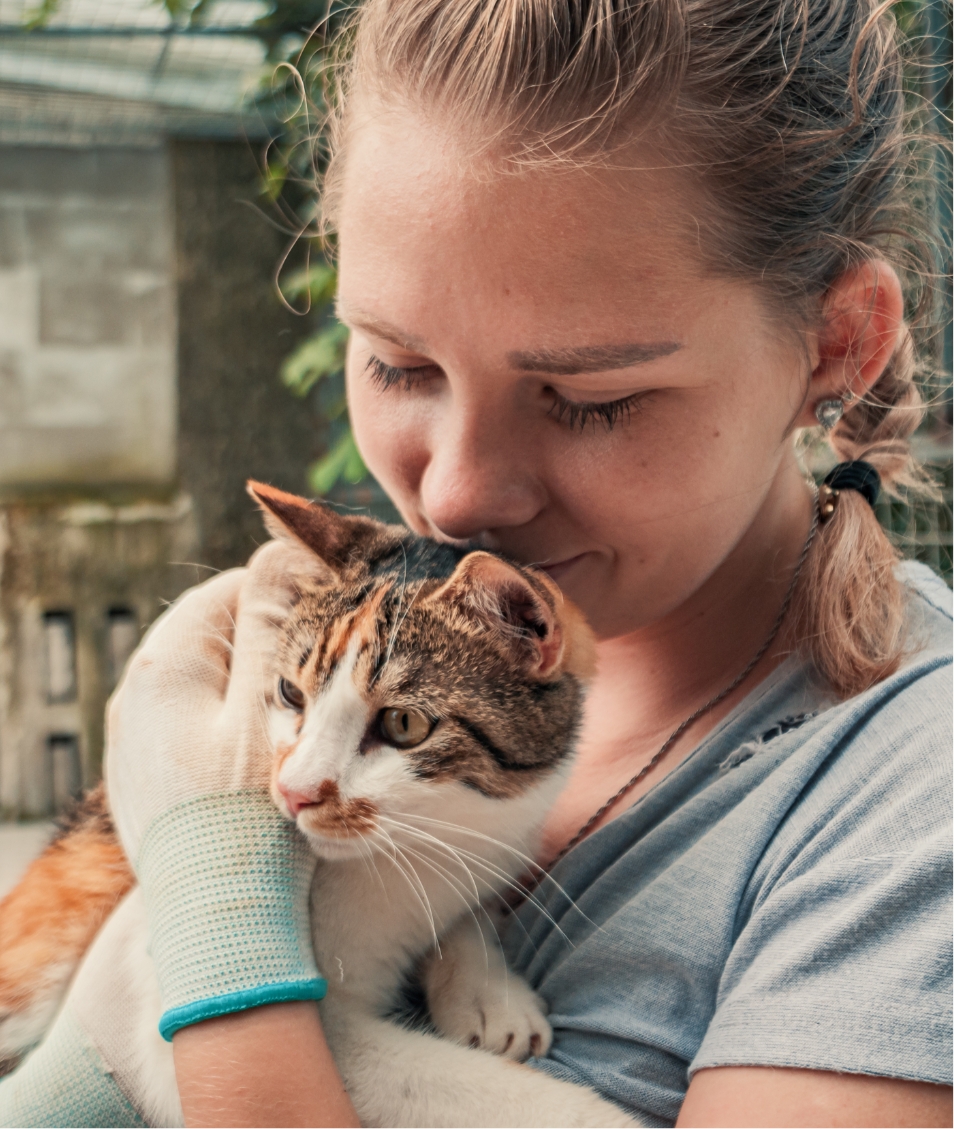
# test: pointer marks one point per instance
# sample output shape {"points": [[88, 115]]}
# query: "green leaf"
{"points": [[37, 17], [319, 282], [317, 357], [354, 469], [342, 461], [274, 179]]}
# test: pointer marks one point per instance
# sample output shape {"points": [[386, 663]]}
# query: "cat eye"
{"points": [[404, 728], [290, 695]]}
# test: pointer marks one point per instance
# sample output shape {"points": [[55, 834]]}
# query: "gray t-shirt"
{"points": [[782, 898]]}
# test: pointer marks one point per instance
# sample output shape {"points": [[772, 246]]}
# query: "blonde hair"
{"points": [[792, 115]]}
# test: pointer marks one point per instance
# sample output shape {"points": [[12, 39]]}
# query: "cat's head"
{"points": [[416, 681]]}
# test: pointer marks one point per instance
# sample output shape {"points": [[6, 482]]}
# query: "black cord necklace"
{"points": [[711, 704]]}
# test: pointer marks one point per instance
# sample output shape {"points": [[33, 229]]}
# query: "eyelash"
{"points": [[573, 414], [608, 413], [390, 376]]}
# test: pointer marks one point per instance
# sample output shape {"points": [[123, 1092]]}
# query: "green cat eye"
{"points": [[404, 728], [290, 695]]}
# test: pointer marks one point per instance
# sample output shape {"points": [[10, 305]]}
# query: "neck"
{"points": [[652, 680], [681, 661]]}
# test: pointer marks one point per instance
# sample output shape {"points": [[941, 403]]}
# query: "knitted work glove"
{"points": [[225, 877], [103, 1053], [65, 1082]]}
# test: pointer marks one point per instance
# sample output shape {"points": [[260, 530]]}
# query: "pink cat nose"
{"points": [[295, 801], [327, 790]]}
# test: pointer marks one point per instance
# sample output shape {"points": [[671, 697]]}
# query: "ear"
{"points": [[338, 540], [501, 596], [863, 317]]}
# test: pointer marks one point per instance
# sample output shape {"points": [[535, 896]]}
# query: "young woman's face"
{"points": [[539, 362]]}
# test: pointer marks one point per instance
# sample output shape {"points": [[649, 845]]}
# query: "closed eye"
{"points": [[578, 413], [572, 413], [392, 376]]}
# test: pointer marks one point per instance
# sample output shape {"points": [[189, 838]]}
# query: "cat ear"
{"points": [[502, 596], [341, 541]]}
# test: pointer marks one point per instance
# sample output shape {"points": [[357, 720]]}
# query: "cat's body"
{"points": [[422, 712]]}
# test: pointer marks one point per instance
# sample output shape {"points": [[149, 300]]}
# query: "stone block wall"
{"points": [[79, 582], [87, 318], [140, 342]]}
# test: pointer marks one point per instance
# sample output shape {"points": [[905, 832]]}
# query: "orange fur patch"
{"points": [[579, 658], [54, 912], [282, 753]]}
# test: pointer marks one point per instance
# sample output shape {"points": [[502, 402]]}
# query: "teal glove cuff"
{"points": [[226, 881], [65, 1082]]}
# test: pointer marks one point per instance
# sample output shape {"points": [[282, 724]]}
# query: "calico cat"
{"points": [[423, 709]]}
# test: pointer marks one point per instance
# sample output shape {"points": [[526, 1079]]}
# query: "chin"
{"points": [[337, 850]]}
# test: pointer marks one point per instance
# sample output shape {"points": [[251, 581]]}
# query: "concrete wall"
{"points": [[140, 342], [87, 317], [235, 421], [79, 582]]}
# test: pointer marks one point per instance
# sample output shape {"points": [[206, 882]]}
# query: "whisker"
{"points": [[494, 888], [419, 892], [447, 877], [530, 863], [392, 635], [505, 880]]}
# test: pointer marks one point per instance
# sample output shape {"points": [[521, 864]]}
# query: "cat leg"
{"points": [[397, 1077], [476, 1000], [49, 919]]}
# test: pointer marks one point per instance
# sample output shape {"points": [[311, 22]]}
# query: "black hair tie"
{"points": [[856, 475]]}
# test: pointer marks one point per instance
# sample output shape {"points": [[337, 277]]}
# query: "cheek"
{"points": [[384, 776], [283, 726]]}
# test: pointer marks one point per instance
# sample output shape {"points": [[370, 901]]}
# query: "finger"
{"points": [[276, 577], [188, 651]]}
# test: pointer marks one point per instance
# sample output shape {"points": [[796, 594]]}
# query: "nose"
{"points": [[479, 476], [297, 800]]}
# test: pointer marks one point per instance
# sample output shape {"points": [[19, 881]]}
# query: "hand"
{"points": [[225, 877]]}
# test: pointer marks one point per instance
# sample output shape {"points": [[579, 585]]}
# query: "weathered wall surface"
{"points": [[236, 421], [78, 583], [87, 317], [140, 341]]}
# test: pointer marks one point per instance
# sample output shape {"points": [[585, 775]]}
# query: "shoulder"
{"points": [[930, 612], [871, 778], [842, 956], [902, 725]]}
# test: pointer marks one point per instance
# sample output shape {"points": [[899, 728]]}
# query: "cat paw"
{"points": [[502, 1015]]}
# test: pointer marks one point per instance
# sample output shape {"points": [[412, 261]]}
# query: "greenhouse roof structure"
{"points": [[121, 72]]}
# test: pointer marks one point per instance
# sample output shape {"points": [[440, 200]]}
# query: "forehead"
{"points": [[419, 217]]}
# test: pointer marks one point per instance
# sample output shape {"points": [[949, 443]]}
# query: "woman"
{"points": [[603, 264]]}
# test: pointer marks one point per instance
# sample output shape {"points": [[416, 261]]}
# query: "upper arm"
{"points": [[778, 1096]]}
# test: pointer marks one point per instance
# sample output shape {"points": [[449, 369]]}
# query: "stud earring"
{"points": [[829, 412], [848, 396]]}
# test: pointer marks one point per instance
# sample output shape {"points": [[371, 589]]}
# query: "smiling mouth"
{"points": [[559, 569]]}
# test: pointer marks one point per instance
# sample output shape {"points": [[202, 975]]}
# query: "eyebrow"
{"points": [[590, 358], [382, 329], [554, 362]]}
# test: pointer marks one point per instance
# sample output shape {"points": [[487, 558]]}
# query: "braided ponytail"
{"points": [[851, 604]]}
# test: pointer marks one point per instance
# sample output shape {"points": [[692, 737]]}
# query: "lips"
{"points": [[559, 569]]}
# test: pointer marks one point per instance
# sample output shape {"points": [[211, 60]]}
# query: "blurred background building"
{"points": [[141, 345], [140, 342]]}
